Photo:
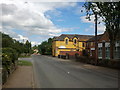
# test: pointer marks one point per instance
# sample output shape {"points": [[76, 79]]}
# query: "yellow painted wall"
{"points": [[69, 46]]}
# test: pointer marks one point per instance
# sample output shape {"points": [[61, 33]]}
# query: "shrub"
{"points": [[103, 62], [9, 57], [6, 62], [114, 63], [82, 59], [4, 75], [11, 53]]}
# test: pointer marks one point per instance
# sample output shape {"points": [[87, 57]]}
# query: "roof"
{"points": [[71, 36], [93, 38]]}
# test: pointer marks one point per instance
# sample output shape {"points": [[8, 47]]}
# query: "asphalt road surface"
{"points": [[51, 72]]}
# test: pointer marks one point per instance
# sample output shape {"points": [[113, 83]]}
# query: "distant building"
{"points": [[69, 42], [35, 51]]}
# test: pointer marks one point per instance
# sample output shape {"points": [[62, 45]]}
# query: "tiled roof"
{"points": [[71, 36], [93, 38]]}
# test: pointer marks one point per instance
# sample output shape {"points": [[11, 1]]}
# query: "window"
{"points": [[117, 52], [100, 52], [75, 41], [107, 52], [66, 41], [92, 43]]}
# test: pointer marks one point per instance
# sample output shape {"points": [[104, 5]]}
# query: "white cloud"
{"points": [[92, 18], [84, 20], [30, 18], [35, 43], [100, 27], [20, 37]]}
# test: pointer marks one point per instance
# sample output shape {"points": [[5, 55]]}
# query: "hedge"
{"points": [[9, 58]]}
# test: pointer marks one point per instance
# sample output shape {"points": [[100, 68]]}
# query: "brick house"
{"points": [[103, 47], [90, 47]]}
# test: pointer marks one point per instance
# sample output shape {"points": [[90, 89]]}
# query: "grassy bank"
{"points": [[24, 56], [24, 63]]}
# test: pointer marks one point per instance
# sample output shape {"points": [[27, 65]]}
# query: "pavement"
{"points": [[22, 77], [51, 72]]}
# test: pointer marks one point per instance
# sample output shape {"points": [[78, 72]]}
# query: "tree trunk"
{"points": [[112, 47]]}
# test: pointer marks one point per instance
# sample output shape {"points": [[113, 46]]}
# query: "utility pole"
{"points": [[96, 41]]}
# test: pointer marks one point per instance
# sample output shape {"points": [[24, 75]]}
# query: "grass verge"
{"points": [[24, 63], [24, 56]]}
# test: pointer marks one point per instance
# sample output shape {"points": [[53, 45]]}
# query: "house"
{"points": [[90, 47], [69, 42], [103, 47]]}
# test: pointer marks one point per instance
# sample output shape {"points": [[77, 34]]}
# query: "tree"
{"points": [[34, 47], [27, 47], [110, 13], [45, 47], [7, 41]]}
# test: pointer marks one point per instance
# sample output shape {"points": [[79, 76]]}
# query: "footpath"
{"points": [[22, 77]]}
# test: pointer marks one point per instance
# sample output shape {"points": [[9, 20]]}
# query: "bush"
{"points": [[114, 64], [13, 55], [6, 62], [82, 59], [9, 58], [4, 75], [76, 56], [103, 62]]}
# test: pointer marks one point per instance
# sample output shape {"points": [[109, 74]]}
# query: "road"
{"points": [[50, 72]]}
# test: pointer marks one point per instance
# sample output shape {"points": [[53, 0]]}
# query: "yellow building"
{"points": [[69, 42]]}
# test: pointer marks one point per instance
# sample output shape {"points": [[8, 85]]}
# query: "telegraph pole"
{"points": [[96, 41]]}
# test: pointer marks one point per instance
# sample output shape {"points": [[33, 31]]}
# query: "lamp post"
{"points": [[96, 42]]}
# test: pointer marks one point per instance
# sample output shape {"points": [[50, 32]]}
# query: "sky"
{"points": [[38, 21]]}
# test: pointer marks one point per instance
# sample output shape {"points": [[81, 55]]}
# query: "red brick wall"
{"points": [[72, 53]]}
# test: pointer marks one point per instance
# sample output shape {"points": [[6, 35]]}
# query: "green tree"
{"points": [[7, 41], [35, 47], [45, 47], [110, 13], [27, 47]]}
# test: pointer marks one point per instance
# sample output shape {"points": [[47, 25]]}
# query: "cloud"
{"points": [[8, 9], [30, 18], [21, 38], [35, 43], [100, 27], [84, 20], [92, 18]]}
